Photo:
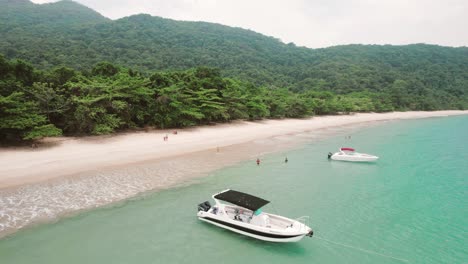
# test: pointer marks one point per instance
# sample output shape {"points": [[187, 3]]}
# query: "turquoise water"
{"points": [[410, 205]]}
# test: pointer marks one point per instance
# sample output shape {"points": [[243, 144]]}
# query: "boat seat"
{"points": [[261, 220], [238, 218]]}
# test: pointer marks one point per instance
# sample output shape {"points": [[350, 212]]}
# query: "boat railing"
{"points": [[304, 220]]}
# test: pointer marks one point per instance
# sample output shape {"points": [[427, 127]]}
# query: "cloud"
{"points": [[315, 23]]}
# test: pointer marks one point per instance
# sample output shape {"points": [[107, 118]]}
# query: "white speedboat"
{"points": [[349, 154], [245, 217]]}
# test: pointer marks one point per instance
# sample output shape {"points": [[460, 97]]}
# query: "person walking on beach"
{"points": [[258, 161]]}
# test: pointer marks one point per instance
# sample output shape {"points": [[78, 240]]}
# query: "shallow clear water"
{"points": [[411, 205]]}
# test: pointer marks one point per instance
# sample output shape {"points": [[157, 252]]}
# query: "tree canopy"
{"points": [[66, 33], [108, 98], [67, 69]]}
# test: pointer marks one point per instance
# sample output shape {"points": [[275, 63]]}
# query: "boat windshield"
{"points": [[347, 149]]}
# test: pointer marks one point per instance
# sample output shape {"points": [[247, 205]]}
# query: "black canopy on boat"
{"points": [[242, 199]]}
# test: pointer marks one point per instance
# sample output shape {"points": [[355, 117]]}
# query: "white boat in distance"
{"points": [[246, 218], [349, 154]]}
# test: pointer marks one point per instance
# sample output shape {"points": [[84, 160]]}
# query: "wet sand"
{"points": [[74, 174]]}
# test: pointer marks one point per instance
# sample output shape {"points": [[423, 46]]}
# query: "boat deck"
{"points": [[244, 215]]}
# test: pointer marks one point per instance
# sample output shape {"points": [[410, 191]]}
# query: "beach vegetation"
{"points": [[109, 98], [66, 69]]}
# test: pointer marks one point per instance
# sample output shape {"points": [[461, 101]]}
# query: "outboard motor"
{"points": [[204, 206], [329, 155]]}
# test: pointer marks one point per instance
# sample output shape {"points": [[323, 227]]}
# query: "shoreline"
{"points": [[70, 156], [47, 184]]}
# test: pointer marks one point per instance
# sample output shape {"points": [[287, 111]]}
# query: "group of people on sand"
{"points": [[166, 138]]}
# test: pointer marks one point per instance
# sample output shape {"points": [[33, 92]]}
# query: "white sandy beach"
{"points": [[77, 155], [67, 175]]}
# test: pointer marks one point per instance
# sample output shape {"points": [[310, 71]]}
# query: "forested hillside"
{"points": [[167, 73], [107, 98]]}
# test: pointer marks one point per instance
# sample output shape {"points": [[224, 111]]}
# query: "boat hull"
{"points": [[354, 158], [270, 237]]}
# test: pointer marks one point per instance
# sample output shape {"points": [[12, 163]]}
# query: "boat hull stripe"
{"points": [[248, 230]]}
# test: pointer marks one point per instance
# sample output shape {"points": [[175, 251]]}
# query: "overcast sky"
{"points": [[315, 23]]}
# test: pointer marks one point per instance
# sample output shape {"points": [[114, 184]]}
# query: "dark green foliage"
{"points": [[19, 119], [20, 115], [199, 73], [60, 76], [105, 69], [35, 104], [66, 33]]}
